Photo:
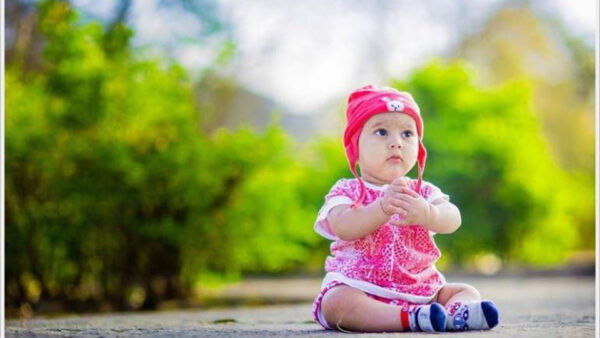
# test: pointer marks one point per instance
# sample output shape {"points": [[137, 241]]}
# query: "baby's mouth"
{"points": [[395, 158]]}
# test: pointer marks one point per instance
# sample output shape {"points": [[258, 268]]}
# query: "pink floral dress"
{"points": [[393, 264]]}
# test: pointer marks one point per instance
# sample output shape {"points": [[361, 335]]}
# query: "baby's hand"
{"points": [[391, 202], [415, 209]]}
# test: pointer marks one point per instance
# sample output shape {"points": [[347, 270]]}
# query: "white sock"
{"points": [[428, 318], [471, 315]]}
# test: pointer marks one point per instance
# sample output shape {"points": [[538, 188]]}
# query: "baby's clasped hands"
{"points": [[410, 207]]}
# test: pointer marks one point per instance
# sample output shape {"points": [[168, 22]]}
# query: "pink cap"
{"points": [[367, 101]]}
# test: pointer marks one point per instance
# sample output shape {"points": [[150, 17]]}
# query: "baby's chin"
{"points": [[389, 177], [395, 171]]}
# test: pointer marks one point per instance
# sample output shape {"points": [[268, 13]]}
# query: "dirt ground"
{"points": [[529, 307]]}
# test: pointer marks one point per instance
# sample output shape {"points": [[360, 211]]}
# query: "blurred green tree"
{"points": [[518, 43], [115, 197]]}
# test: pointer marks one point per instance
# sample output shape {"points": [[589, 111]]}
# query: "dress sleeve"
{"points": [[339, 194], [432, 193]]}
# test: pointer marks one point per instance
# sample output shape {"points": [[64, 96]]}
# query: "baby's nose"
{"points": [[395, 144]]}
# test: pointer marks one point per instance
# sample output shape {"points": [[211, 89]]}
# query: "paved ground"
{"points": [[530, 307]]}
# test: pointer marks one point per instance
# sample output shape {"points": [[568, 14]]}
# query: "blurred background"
{"points": [[157, 150]]}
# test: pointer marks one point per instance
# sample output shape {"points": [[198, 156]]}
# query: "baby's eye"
{"points": [[381, 132], [407, 133]]}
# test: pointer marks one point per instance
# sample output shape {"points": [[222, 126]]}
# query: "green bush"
{"points": [[115, 196]]}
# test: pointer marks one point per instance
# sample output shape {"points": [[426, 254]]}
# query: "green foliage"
{"points": [[560, 68], [486, 151], [323, 162], [114, 195]]}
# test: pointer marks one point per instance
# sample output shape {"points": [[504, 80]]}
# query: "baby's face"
{"points": [[387, 147]]}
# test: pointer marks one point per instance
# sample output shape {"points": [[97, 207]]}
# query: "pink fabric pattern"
{"points": [[397, 258]]}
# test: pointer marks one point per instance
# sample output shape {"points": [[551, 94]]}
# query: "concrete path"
{"points": [[530, 307]]}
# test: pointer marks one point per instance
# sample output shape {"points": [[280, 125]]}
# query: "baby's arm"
{"points": [[352, 224], [444, 217]]}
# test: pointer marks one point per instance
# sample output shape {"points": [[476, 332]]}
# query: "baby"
{"points": [[381, 274]]}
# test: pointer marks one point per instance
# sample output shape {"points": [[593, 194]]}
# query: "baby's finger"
{"points": [[404, 194], [400, 203], [404, 197], [410, 192], [400, 181], [396, 188], [396, 210]]}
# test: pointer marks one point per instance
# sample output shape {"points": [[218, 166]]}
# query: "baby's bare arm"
{"points": [[352, 224], [444, 217]]}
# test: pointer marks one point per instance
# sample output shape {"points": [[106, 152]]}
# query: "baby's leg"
{"points": [[457, 292], [464, 308], [351, 309]]}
